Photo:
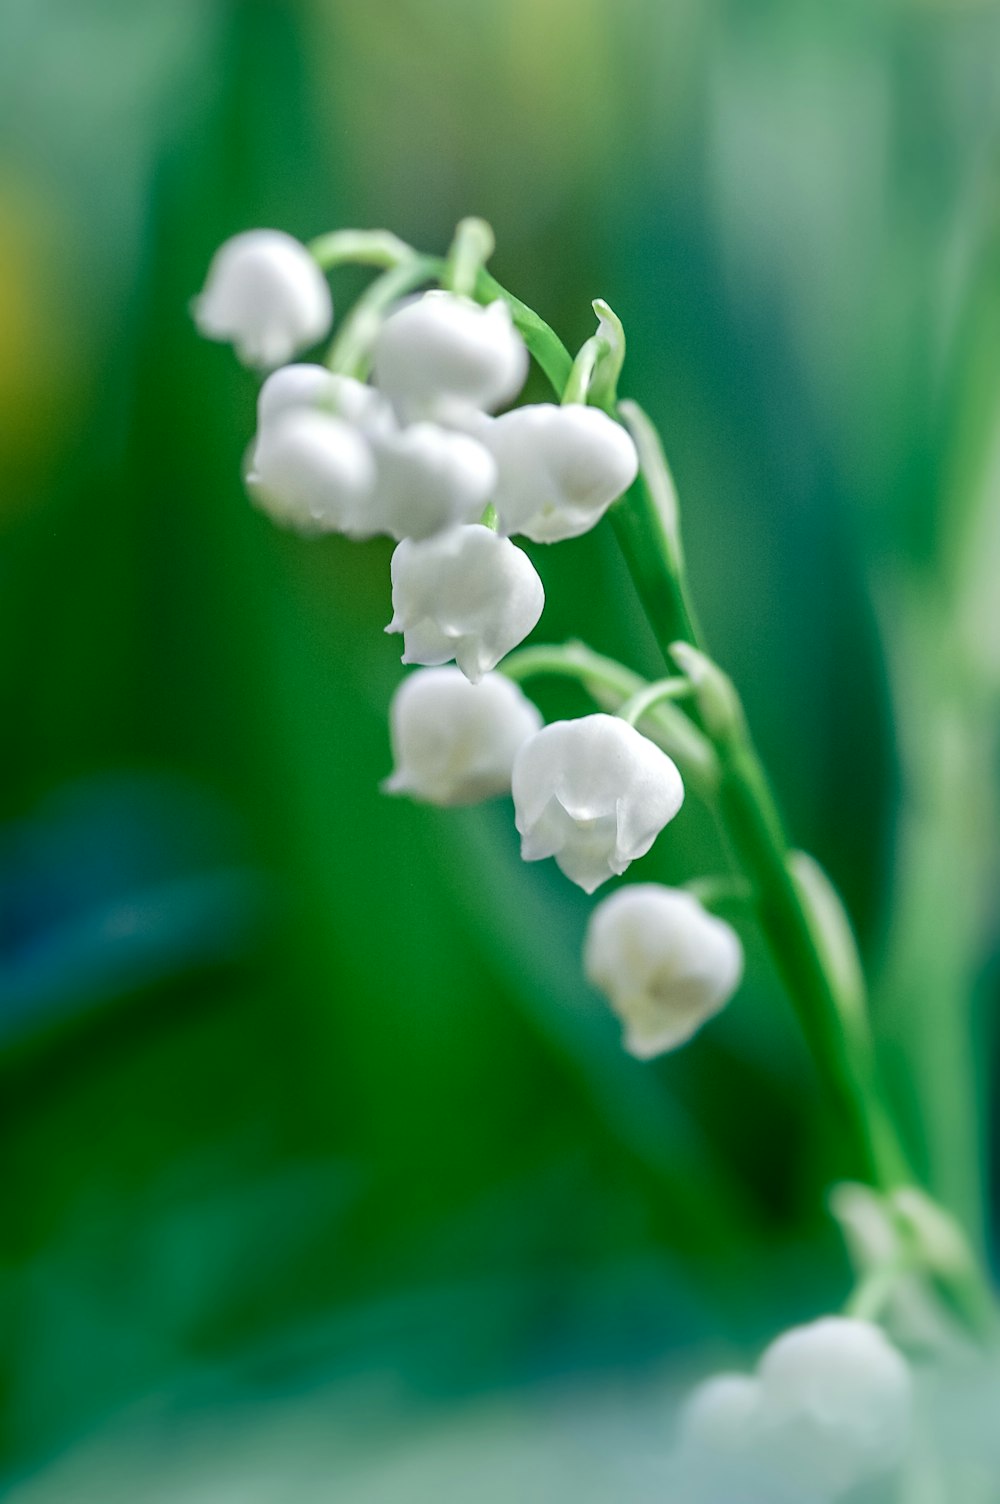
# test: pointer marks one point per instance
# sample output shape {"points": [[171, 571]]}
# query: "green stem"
{"points": [[471, 248], [871, 1294], [582, 374], [360, 248], [573, 660], [663, 689], [721, 891], [647, 525], [842, 1053]]}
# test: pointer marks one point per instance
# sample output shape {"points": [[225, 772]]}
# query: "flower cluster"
{"points": [[829, 1408], [404, 439], [411, 431]]}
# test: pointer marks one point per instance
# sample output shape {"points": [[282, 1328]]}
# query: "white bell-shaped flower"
{"points": [[454, 742], [265, 294], [429, 479], [314, 387], [594, 793], [441, 355], [306, 478], [828, 1409], [466, 595], [837, 1404], [559, 469], [664, 962], [313, 472]]}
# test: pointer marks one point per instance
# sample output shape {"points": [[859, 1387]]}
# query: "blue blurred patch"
{"points": [[116, 885]]}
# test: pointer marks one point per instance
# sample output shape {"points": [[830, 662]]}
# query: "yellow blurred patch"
{"points": [[39, 341]]}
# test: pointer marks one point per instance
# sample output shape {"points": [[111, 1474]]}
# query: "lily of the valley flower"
{"points": [[266, 295], [454, 742], [420, 480], [559, 469], [593, 793], [466, 595], [829, 1408], [313, 472], [837, 1398], [441, 356], [429, 479], [664, 962]]}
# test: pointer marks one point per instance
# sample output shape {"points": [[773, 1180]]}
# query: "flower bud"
{"points": [[664, 962], [454, 742], [266, 294], [441, 354], [429, 479], [466, 594], [594, 793], [837, 1404], [559, 469], [313, 472]]}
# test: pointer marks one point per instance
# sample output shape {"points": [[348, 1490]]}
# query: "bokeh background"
{"points": [[321, 1165]]}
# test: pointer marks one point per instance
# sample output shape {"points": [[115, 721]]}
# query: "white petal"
{"points": [[587, 856], [426, 644]]}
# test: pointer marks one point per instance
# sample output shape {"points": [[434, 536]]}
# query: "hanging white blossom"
{"points": [[466, 595], [266, 295], [313, 472], [441, 356], [664, 962], [829, 1408], [594, 793], [837, 1400], [429, 479], [454, 742], [558, 469]]}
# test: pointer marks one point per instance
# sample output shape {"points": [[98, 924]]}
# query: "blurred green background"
{"points": [[308, 1116]]}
